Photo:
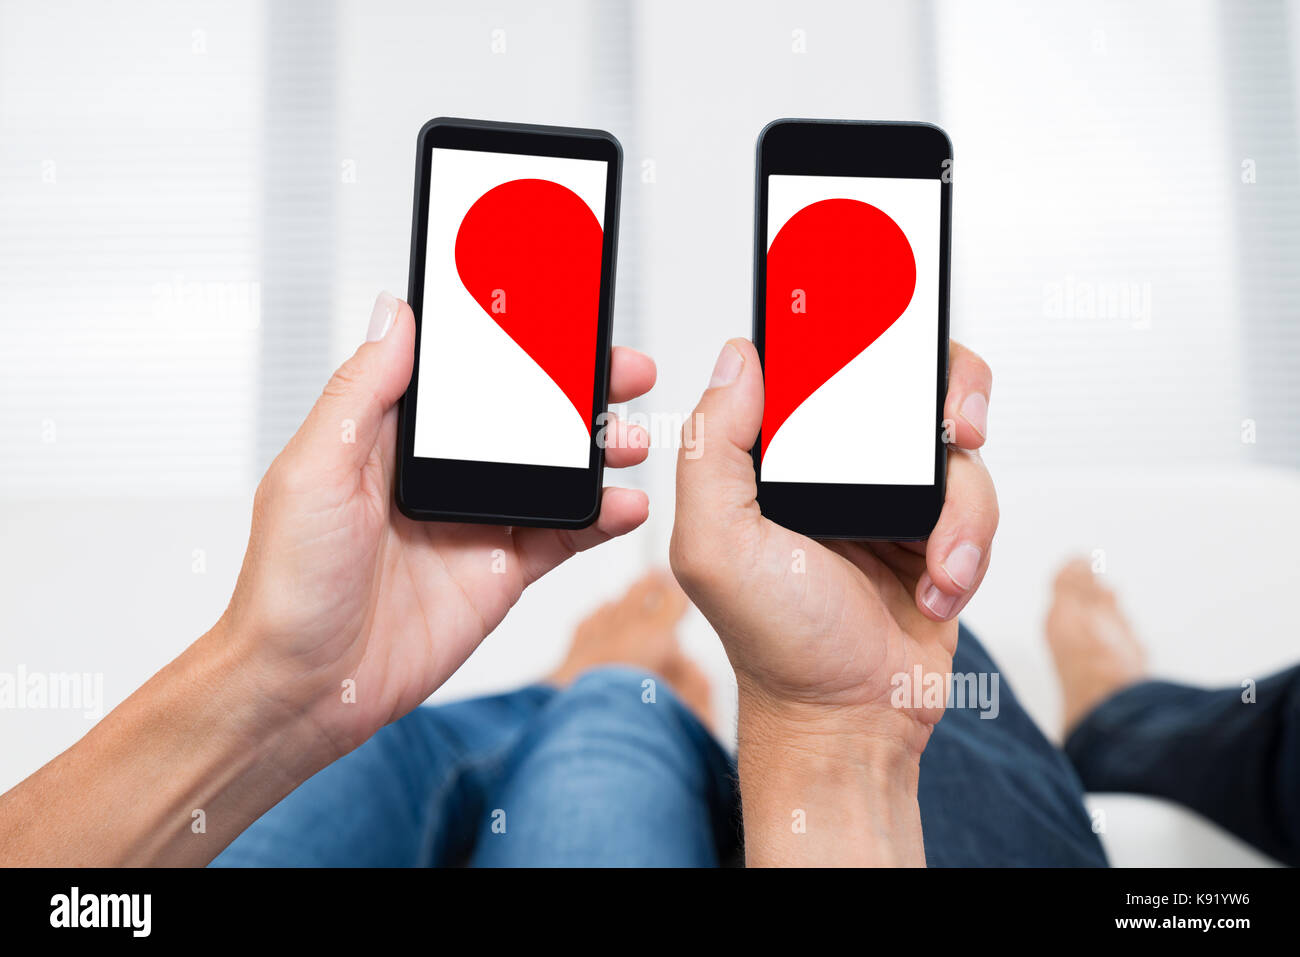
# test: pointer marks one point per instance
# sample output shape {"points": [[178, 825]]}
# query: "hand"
{"points": [[817, 631], [823, 626], [338, 585]]}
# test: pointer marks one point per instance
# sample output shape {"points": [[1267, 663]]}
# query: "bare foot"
{"points": [[640, 629], [1095, 649]]}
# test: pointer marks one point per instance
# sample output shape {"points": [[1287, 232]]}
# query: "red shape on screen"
{"points": [[850, 269], [529, 252]]}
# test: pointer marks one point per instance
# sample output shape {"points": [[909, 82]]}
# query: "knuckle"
{"points": [[345, 379], [983, 507], [974, 496], [993, 512], [696, 567], [272, 481], [684, 560], [984, 516], [263, 495], [679, 557], [282, 478]]}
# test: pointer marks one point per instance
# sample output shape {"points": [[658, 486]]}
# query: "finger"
{"points": [[717, 516], [715, 475], [624, 444], [631, 374], [343, 425], [906, 565], [957, 552], [541, 549], [893, 571], [970, 382]]}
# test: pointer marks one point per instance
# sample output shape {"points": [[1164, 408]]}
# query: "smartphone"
{"points": [[851, 249], [513, 239]]}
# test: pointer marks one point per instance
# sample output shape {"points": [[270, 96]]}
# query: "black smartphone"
{"points": [[851, 248], [513, 240]]}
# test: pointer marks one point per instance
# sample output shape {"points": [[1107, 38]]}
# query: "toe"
{"points": [[1075, 575]]}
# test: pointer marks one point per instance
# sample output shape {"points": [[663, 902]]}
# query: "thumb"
{"points": [[344, 424], [716, 490]]}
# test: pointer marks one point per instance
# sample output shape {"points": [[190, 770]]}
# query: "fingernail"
{"points": [[961, 565], [382, 316], [728, 366], [938, 602], [975, 410]]}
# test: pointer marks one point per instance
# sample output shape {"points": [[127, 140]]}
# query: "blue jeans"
{"points": [[1231, 754], [597, 775], [613, 770], [994, 792]]}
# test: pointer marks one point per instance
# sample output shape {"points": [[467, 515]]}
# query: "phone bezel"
{"points": [[866, 149], [496, 493]]}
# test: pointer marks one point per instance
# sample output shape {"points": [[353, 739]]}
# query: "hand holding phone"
{"points": [[823, 634], [340, 593]]}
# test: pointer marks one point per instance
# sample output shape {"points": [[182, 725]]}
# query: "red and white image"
{"points": [[852, 312], [511, 308]]}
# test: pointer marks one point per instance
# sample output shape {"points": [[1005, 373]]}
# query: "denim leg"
{"points": [[614, 771], [409, 796], [994, 791], [598, 774], [1234, 760]]}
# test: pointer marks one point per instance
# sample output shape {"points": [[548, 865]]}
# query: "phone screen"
{"points": [[851, 322], [511, 308]]}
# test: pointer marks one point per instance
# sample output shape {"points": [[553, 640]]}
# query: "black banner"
{"points": [[302, 906]]}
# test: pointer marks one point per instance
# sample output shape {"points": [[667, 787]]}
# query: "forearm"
{"points": [[197, 737], [826, 796]]}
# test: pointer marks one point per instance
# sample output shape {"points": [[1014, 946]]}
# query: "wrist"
{"points": [[841, 748], [259, 710], [867, 735], [828, 785]]}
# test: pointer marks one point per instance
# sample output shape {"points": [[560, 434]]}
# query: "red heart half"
{"points": [[529, 253], [839, 273]]}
